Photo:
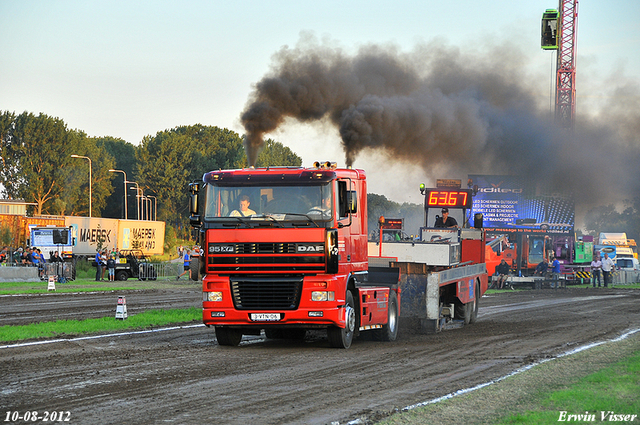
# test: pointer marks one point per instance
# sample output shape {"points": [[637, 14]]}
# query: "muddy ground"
{"points": [[183, 376]]}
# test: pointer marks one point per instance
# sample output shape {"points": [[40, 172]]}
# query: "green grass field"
{"points": [[89, 326]]}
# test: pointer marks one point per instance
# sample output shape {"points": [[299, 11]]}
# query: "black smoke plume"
{"points": [[449, 110]]}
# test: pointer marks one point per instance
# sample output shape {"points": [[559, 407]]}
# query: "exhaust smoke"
{"points": [[461, 112]]}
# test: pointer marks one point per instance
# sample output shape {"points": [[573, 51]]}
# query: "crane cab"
{"points": [[550, 30]]}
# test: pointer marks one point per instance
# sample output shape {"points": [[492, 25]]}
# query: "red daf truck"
{"points": [[286, 250]]}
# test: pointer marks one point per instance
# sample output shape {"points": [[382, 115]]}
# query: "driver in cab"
{"points": [[244, 208], [445, 220]]}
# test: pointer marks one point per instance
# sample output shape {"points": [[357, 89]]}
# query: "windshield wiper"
{"points": [[307, 216], [268, 217]]}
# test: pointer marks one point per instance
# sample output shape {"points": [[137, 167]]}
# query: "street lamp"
{"points": [[125, 192], [137, 198], [155, 207], [86, 157]]}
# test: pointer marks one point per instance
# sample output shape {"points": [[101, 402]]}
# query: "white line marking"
{"points": [[517, 371]]}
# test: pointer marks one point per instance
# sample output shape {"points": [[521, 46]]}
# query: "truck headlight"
{"points": [[212, 296], [322, 296]]}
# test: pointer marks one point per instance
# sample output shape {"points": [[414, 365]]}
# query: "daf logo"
{"points": [[220, 249], [310, 248]]}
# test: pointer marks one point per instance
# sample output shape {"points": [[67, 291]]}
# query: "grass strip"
{"points": [[602, 379], [609, 394], [64, 290], [67, 328]]}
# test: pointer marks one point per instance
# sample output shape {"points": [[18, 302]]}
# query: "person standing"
{"points": [[607, 268], [186, 265], [596, 266], [111, 265], [98, 261], [555, 271]]}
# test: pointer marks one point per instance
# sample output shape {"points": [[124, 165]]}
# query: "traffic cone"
{"points": [[121, 309]]}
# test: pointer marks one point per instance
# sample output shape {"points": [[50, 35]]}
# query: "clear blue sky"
{"points": [[132, 68]]}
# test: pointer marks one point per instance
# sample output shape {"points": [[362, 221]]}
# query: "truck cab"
{"points": [[285, 250]]}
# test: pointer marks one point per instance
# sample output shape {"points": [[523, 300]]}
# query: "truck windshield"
{"points": [[260, 203]]}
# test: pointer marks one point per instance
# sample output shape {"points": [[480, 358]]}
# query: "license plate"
{"points": [[265, 317]]}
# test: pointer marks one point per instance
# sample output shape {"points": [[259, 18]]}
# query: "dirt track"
{"points": [[183, 376]]}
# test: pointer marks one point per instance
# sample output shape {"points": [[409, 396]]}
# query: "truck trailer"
{"points": [[285, 251]]}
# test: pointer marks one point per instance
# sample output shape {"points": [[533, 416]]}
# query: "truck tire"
{"points": [[228, 336], [389, 331], [342, 337], [194, 265], [476, 304], [122, 275]]}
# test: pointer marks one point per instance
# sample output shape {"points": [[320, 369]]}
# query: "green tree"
{"points": [[607, 219], [276, 154], [36, 164], [125, 160], [170, 160], [379, 205]]}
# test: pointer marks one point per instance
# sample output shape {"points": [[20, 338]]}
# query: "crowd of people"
{"points": [[28, 257], [551, 270]]}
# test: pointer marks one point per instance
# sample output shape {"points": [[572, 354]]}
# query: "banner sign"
{"points": [[509, 203]]}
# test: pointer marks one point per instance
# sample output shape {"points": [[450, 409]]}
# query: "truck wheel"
{"points": [[389, 332], [476, 304], [342, 337], [122, 275], [227, 336], [194, 265]]}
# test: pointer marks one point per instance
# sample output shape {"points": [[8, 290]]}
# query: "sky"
{"points": [[129, 69]]}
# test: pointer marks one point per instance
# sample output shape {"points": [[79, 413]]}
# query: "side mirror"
{"points": [[352, 202], [194, 190]]}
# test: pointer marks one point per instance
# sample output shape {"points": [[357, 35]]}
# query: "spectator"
{"points": [[98, 264], [186, 265], [555, 272], [502, 271], [103, 259], [111, 265], [596, 266], [607, 268], [541, 268]]}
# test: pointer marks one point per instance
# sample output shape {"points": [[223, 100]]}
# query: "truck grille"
{"points": [[266, 293], [288, 257]]}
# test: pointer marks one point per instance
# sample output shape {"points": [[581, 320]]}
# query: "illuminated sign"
{"points": [[448, 198]]}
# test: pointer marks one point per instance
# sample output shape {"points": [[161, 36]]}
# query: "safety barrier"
{"points": [[625, 277], [160, 271]]}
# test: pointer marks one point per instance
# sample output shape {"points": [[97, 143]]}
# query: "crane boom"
{"points": [[566, 65]]}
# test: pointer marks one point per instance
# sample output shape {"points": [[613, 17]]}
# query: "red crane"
{"points": [[566, 64], [559, 33]]}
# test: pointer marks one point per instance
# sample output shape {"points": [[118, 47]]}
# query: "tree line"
{"points": [[37, 166]]}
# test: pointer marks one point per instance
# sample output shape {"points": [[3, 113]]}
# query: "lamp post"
{"points": [[137, 198], [126, 209], [155, 207], [86, 157]]}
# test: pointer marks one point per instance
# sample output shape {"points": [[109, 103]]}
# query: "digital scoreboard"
{"points": [[446, 198]]}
